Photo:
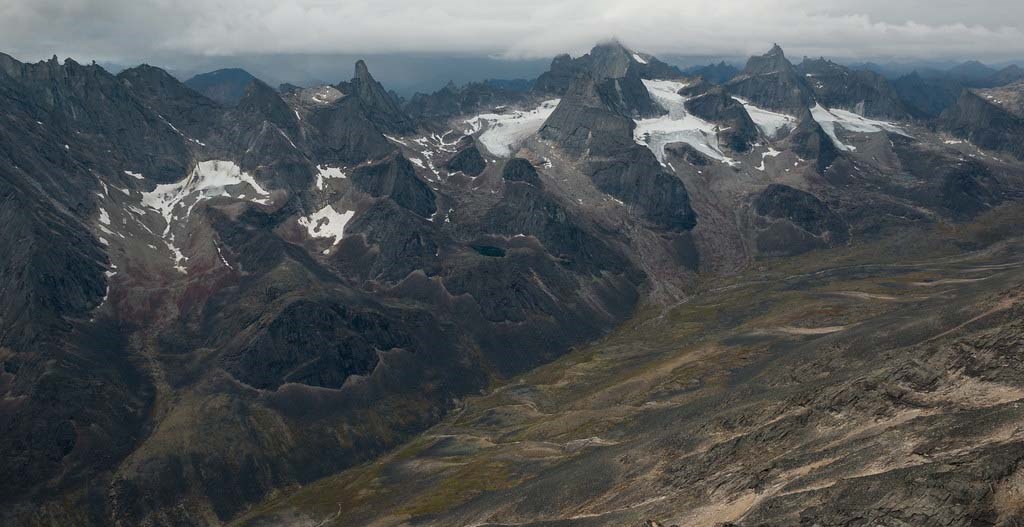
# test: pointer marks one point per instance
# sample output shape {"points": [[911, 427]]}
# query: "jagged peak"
{"points": [[261, 98], [770, 62], [561, 58], [381, 107], [611, 44], [145, 70], [362, 72], [258, 89], [9, 64]]}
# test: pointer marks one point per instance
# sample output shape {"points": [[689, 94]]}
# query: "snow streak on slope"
{"points": [[678, 126], [327, 223], [769, 122], [828, 119], [503, 132]]}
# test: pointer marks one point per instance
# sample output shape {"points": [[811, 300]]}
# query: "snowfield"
{"points": [[828, 119], [678, 126], [327, 223], [503, 132], [207, 180], [769, 122]]}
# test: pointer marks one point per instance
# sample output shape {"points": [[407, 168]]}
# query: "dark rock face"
{"points": [[88, 102], [863, 92], [718, 106], [518, 169], [959, 188], [350, 130], [73, 399], [586, 118], [630, 96], [1007, 75], [927, 94], [634, 176], [261, 106], [53, 267], [226, 86], [452, 100], [343, 134], [468, 160], [802, 210], [380, 107], [263, 100], [687, 153], [288, 88], [927, 97], [809, 141], [396, 178], [985, 124], [714, 73], [189, 110], [317, 344], [771, 81], [588, 123], [560, 75], [606, 61], [398, 242]]}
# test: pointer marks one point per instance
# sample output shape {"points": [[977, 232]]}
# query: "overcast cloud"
{"points": [[127, 30]]}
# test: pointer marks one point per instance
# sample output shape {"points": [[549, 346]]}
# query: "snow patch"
{"points": [[639, 59], [135, 175], [678, 126], [327, 223], [503, 132], [769, 122], [325, 172], [177, 257], [771, 152], [828, 119], [207, 180]]}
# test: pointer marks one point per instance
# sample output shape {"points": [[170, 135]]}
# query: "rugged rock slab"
{"points": [[985, 124], [860, 91], [771, 81]]}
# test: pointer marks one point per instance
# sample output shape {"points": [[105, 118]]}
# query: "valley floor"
{"points": [[877, 384]]}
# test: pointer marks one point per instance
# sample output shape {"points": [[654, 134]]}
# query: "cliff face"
{"points": [[984, 124], [771, 81], [864, 92]]}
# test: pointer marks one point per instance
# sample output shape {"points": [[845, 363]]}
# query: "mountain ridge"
{"points": [[213, 305]]}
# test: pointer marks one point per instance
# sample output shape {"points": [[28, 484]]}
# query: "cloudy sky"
{"points": [[132, 30]]}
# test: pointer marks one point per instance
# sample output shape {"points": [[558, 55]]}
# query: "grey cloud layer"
{"points": [[114, 29]]}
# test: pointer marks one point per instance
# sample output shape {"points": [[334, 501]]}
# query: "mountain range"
{"points": [[620, 293]]}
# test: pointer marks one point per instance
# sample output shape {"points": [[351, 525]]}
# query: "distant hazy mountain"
{"points": [[226, 86], [714, 73]]}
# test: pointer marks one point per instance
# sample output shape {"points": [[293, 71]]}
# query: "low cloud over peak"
{"points": [[130, 29]]}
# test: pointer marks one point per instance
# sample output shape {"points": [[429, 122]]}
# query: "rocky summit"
{"points": [[619, 294]]}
